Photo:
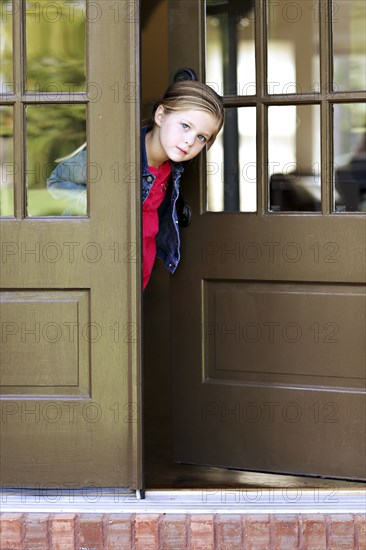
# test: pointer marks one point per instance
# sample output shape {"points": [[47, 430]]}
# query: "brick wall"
{"points": [[182, 531]]}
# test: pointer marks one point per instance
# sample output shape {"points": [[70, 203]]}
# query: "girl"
{"points": [[186, 120]]}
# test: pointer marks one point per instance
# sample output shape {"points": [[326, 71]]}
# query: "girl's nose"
{"points": [[189, 139]]}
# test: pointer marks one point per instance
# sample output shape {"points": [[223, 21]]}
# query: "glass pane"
{"points": [[350, 157], [6, 47], [231, 164], [293, 46], [230, 63], [55, 46], [294, 158], [349, 45], [7, 168], [56, 185]]}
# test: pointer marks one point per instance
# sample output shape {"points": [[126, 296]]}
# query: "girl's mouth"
{"points": [[182, 150]]}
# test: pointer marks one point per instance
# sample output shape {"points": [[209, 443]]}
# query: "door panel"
{"points": [[246, 321], [268, 331], [29, 364], [70, 303]]}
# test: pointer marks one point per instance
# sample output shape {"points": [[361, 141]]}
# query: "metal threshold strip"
{"points": [[199, 501]]}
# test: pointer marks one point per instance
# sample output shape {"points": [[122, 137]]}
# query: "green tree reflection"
{"points": [[55, 45]]}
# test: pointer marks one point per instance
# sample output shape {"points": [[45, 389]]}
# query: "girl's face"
{"points": [[183, 134]]}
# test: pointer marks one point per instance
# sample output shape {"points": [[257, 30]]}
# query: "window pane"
{"points": [[7, 168], [294, 158], [55, 46], [350, 157], [6, 47], [56, 185], [293, 46], [230, 62], [231, 164], [349, 45]]}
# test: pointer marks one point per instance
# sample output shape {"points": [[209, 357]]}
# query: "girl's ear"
{"points": [[159, 115]]}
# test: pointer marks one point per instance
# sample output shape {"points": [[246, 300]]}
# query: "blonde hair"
{"points": [[189, 95]]}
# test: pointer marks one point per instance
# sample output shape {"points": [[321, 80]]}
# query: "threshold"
{"points": [[198, 501]]}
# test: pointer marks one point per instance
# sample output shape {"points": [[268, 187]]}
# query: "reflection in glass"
{"points": [[294, 158], [230, 63], [350, 157], [293, 46], [56, 187], [6, 46], [349, 45], [55, 46], [231, 164], [7, 168]]}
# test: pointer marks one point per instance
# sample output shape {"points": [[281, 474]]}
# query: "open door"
{"points": [[268, 304], [70, 307]]}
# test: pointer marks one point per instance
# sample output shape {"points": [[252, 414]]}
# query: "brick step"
{"points": [[35, 531]]}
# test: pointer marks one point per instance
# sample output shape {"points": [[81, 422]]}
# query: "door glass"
{"points": [[349, 45], [55, 46], [231, 164], [7, 168], [294, 158], [350, 157], [6, 46], [230, 62], [56, 169], [293, 46]]}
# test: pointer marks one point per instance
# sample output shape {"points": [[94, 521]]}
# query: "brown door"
{"points": [[70, 267], [268, 324]]}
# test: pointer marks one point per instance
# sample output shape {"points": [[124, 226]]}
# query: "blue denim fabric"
{"points": [[68, 183]]}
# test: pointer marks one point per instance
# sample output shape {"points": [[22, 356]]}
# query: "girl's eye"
{"points": [[202, 138], [184, 125]]}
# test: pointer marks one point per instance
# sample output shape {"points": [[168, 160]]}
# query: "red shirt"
{"points": [[150, 218]]}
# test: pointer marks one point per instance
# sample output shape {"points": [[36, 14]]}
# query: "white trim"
{"points": [[201, 501]]}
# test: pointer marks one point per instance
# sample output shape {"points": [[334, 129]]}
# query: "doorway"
{"points": [[160, 470]]}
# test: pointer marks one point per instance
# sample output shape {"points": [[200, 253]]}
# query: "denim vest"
{"points": [[68, 183]]}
